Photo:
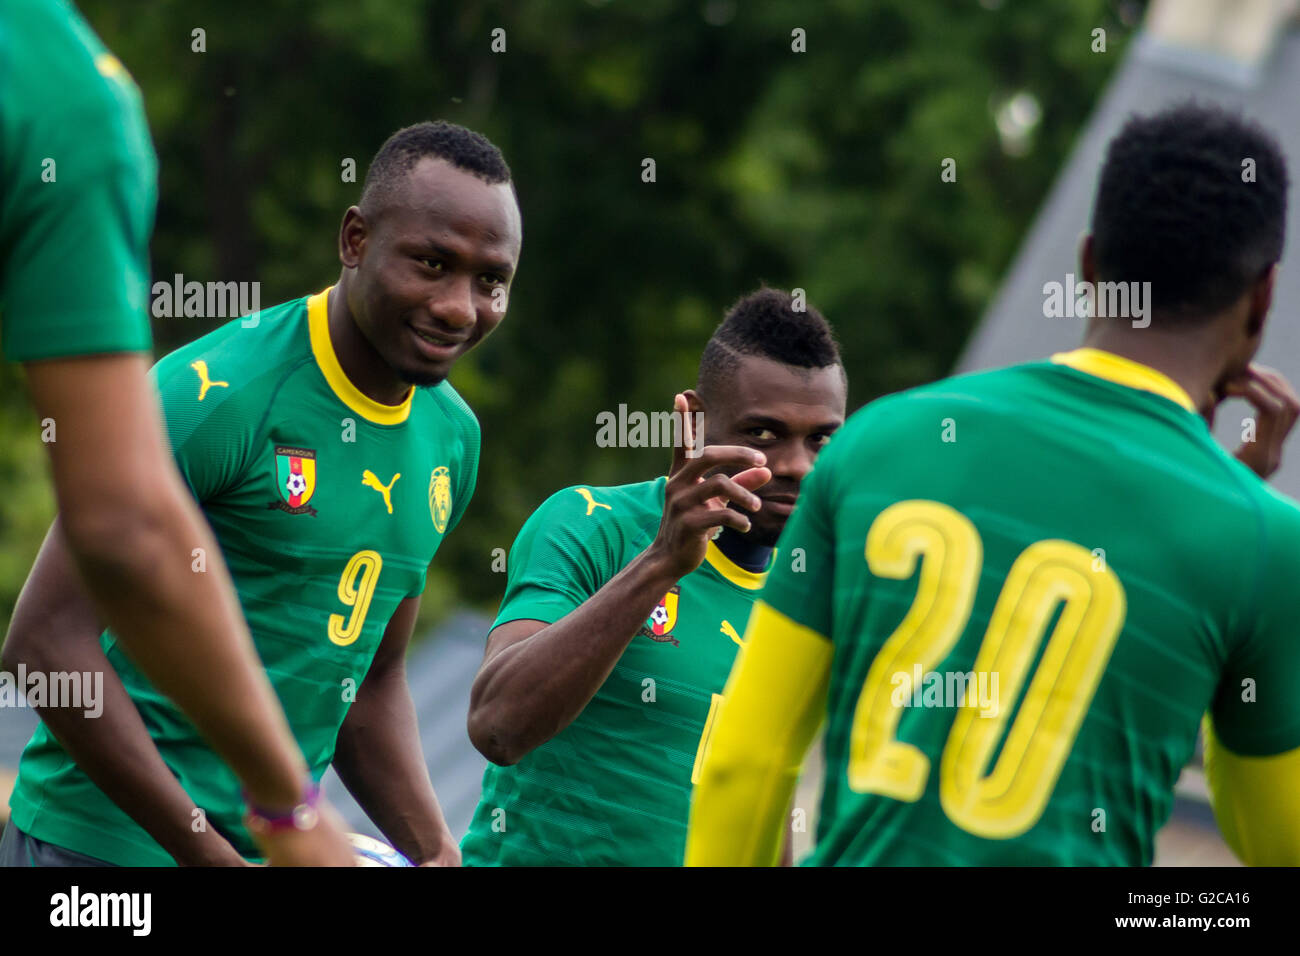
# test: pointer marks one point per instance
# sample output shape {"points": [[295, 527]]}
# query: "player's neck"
{"points": [[741, 550], [363, 366], [1191, 358]]}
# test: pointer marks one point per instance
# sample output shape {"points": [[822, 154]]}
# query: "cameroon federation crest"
{"points": [[662, 620], [295, 477], [440, 497]]}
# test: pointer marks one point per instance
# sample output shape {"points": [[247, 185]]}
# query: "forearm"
{"points": [[530, 691], [379, 760], [113, 748]]}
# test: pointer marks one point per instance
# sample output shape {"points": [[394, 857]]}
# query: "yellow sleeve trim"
{"points": [[322, 348], [1256, 802], [771, 708]]}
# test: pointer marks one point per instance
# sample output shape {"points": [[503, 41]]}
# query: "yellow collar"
{"points": [[322, 348], [749, 580], [1116, 368]]}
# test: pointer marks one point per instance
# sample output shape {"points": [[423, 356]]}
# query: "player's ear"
{"points": [[1087, 258], [352, 237], [1261, 300]]}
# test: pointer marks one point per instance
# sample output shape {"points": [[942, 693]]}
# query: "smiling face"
{"points": [[786, 412], [430, 269]]}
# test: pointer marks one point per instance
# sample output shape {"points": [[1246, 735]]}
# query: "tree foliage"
{"points": [[817, 169]]}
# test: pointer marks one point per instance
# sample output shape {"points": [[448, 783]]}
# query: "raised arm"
{"points": [[537, 676]]}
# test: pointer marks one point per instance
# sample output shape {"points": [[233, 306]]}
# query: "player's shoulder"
{"points": [[607, 523], [32, 31], [1011, 390], [894, 420], [60, 80], [901, 409], [984, 385], [1278, 522], [631, 505], [245, 358], [444, 400]]}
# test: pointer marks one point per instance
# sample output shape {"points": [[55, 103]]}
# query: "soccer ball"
{"points": [[659, 615], [296, 484], [372, 852]]}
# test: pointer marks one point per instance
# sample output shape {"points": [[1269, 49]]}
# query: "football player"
{"points": [[1013, 632], [330, 456], [623, 612]]}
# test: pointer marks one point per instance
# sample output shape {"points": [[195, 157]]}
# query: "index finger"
{"points": [[1278, 383], [679, 448], [1265, 389]]}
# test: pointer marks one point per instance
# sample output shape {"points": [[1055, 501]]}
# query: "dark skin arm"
{"points": [[378, 755], [55, 627], [536, 677]]}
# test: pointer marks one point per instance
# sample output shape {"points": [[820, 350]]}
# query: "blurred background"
{"points": [[813, 164]]}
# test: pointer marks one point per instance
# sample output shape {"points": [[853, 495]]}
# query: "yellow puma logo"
{"points": [[370, 481], [731, 633], [205, 383], [592, 503]]}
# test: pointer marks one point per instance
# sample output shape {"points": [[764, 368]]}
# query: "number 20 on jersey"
{"points": [[1007, 799]]}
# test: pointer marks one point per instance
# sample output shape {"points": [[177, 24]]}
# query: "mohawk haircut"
{"points": [[461, 147], [1175, 208], [766, 324]]}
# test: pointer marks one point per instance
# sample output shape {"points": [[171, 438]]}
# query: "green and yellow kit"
{"points": [[80, 185], [613, 788], [1028, 586], [328, 508]]}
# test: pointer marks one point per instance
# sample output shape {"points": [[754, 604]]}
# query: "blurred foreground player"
{"points": [[1013, 632], [330, 456], [79, 191], [622, 616]]}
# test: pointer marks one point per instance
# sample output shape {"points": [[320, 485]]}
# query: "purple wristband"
{"points": [[304, 816]]}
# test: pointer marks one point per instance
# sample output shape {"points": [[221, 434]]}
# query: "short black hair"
{"points": [[1176, 208], [463, 148], [767, 324]]}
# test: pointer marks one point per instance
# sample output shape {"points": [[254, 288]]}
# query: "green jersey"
{"points": [[328, 508], [79, 178], [1036, 581], [614, 787]]}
